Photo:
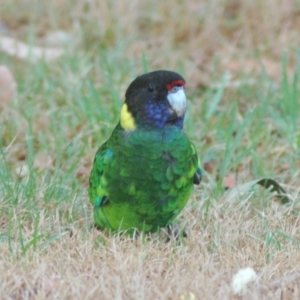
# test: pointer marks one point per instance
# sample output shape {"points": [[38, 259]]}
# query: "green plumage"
{"points": [[142, 178]]}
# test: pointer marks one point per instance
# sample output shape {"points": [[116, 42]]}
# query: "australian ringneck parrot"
{"points": [[144, 173]]}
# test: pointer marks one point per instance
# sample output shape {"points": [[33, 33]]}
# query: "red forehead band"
{"points": [[175, 83]]}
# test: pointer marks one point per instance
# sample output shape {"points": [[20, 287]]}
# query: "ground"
{"points": [[241, 64]]}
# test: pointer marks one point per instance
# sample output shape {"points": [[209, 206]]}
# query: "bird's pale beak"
{"points": [[177, 100]]}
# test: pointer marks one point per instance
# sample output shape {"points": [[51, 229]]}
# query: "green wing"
{"points": [[198, 173], [97, 191]]}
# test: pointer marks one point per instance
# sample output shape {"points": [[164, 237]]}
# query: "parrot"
{"points": [[144, 174]]}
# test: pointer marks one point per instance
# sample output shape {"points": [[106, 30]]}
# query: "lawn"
{"points": [[241, 63]]}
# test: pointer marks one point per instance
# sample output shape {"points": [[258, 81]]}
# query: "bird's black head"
{"points": [[154, 100]]}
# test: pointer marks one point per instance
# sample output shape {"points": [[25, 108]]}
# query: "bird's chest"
{"points": [[145, 154], [150, 167]]}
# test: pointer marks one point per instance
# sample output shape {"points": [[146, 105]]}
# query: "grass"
{"points": [[243, 90]]}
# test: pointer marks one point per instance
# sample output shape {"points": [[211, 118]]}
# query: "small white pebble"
{"points": [[241, 279], [22, 171], [189, 296]]}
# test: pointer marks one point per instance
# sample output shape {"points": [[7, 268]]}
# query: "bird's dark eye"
{"points": [[150, 88]]}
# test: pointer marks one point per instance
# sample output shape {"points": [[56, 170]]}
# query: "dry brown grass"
{"points": [[191, 34], [73, 261], [85, 264]]}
